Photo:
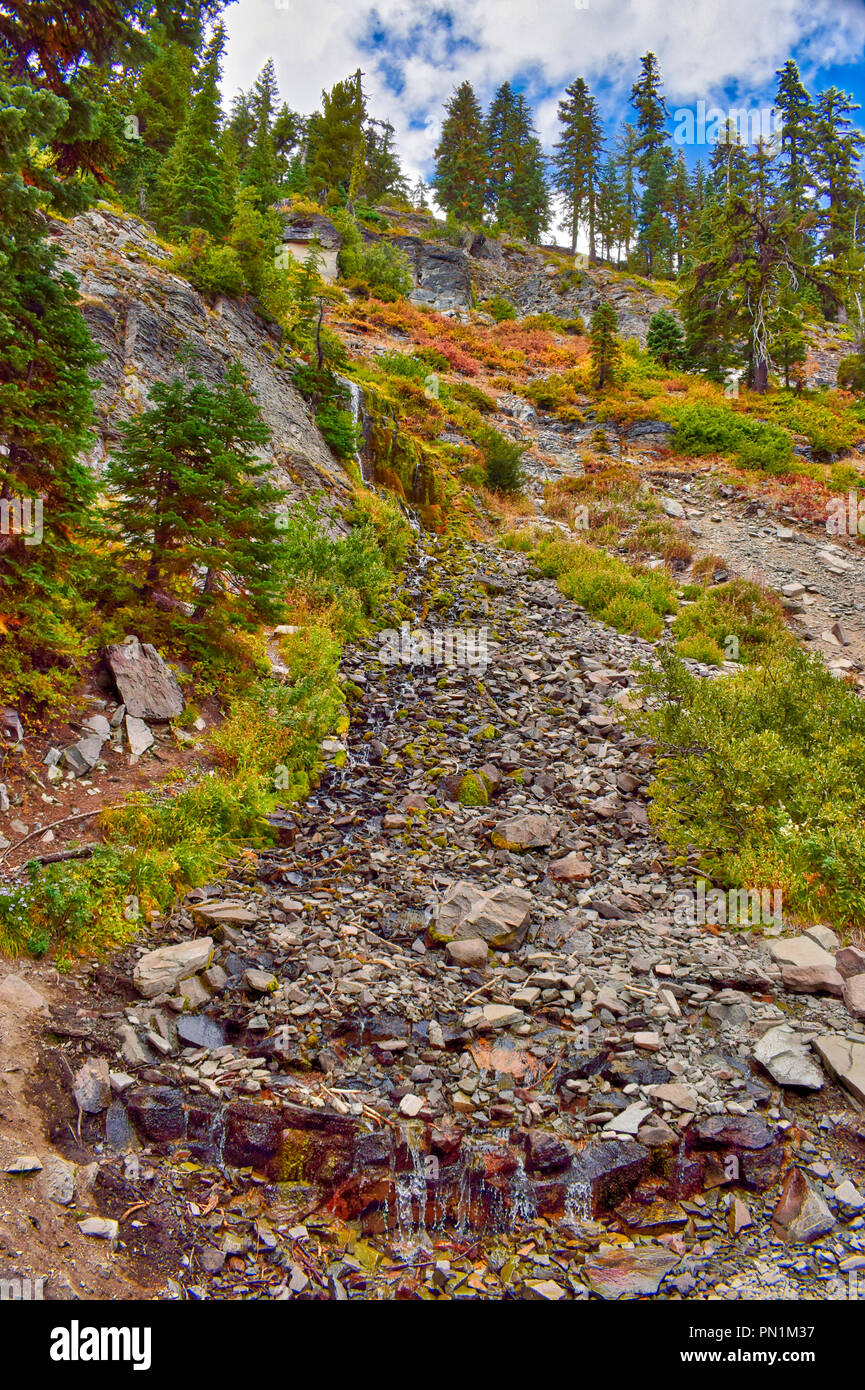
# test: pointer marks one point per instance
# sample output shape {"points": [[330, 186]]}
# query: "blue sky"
{"points": [[723, 52]]}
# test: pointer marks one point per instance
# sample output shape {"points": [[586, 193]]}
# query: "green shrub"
{"points": [[498, 308], [700, 428], [738, 609], [503, 461], [339, 429], [629, 598], [212, 269], [763, 774]]}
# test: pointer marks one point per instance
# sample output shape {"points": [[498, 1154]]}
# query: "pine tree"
{"points": [[652, 115], [610, 210], [605, 347], [45, 391], [626, 159], [655, 235], [576, 160], [383, 176], [462, 166], [679, 202], [836, 147], [665, 340], [191, 497], [190, 188], [796, 111], [501, 141], [528, 194], [335, 137]]}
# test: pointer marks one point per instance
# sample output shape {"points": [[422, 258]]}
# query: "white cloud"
{"points": [[704, 47]]}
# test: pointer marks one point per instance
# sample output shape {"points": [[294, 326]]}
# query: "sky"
{"points": [[414, 52]]}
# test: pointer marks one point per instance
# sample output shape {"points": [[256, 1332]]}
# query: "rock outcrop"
{"points": [[139, 314]]}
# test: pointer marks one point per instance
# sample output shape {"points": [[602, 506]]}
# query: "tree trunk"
{"points": [[761, 377]]}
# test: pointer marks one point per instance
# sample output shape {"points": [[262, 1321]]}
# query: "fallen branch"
{"points": [[67, 820]]}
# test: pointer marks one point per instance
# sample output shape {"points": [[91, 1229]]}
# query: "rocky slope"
{"points": [[441, 1049]]}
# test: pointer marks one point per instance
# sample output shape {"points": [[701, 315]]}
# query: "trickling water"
{"points": [[578, 1201], [355, 396], [523, 1202], [411, 1193]]}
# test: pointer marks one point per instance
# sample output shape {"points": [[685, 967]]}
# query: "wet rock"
{"points": [[161, 971], [252, 1134], [733, 1131], [615, 1273], [611, 1168], [801, 1214], [92, 1086], [788, 1059], [147, 687], [546, 1152], [157, 1112]]}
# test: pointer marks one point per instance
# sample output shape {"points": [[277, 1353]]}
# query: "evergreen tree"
{"points": [[652, 115], [501, 141], [796, 111], [576, 160], [528, 194], [836, 147], [190, 189], [626, 159], [665, 340], [462, 165], [335, 138], [605, 347], [191, 498], [679, 202], [45, 391], [655, 235], [383, 176], [746, 265], [610, 211]]}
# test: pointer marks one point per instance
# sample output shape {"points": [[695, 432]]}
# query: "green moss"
{"points": [[473, 791]]}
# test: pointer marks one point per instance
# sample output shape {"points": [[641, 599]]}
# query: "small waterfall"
{"points": [[578, 1201], [524, 1205], [411, 1192], [355, 396]]}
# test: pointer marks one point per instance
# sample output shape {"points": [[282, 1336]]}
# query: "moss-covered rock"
{"points": [[473, 791]]}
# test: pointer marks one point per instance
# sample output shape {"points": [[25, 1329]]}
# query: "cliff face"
{"points": [[140, 314]]}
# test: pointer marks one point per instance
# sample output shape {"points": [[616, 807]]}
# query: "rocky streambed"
{"points": [[452, 1036]]}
